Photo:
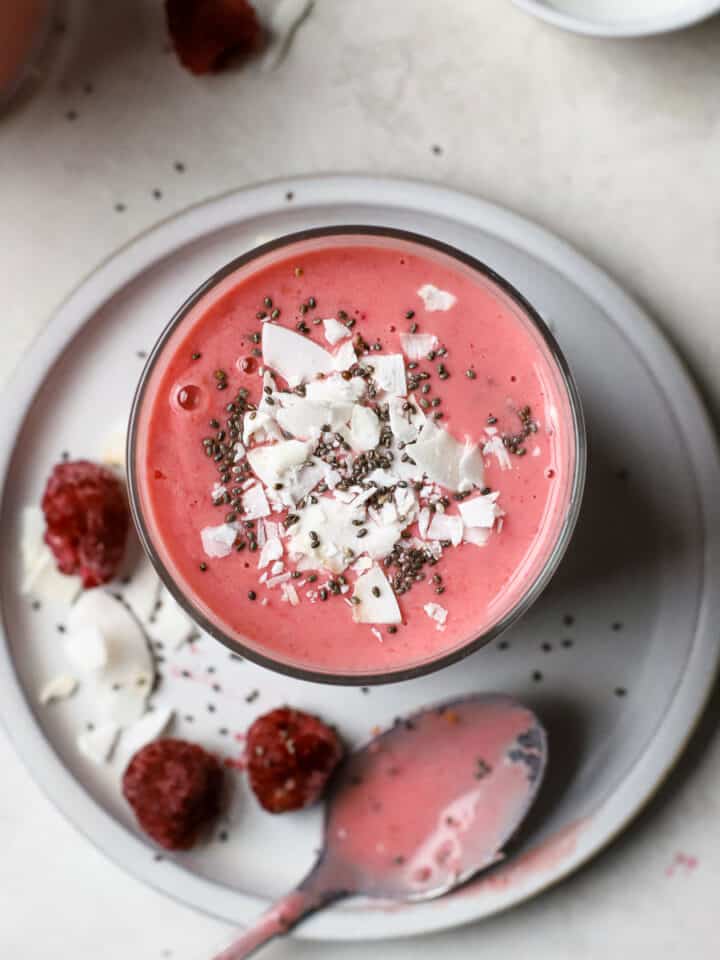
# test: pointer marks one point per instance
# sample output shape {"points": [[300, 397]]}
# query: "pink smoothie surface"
{"points": [[376, 283]]}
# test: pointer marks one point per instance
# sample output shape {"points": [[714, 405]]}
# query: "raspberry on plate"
{"points": [[175, 789], [87, 520], [290, 757], [207, 33]]}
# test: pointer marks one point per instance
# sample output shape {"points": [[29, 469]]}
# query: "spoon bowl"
{"points": [[419, 809]]}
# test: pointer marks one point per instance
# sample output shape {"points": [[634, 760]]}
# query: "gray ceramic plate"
{"points": [[617, 657]]}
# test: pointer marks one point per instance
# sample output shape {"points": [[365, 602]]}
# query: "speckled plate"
{"points": [[617, 657]]}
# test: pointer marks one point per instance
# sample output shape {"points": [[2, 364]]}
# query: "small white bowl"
{"points": [[621, 18]]}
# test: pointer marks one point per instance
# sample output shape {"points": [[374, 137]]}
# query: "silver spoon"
{"points": [[418, 810]]}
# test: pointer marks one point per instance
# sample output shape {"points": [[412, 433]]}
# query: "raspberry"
{"points": [[206, 33], [290, 757], [87, 520], [175, 788]]}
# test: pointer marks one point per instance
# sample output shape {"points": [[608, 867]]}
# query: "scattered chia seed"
{"points": [[252, 595], [203, 566]]}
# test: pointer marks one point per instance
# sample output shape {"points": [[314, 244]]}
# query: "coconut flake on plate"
{"points": [[59, 687], [218, 541], [170, 625], [436, 299], [148, 728], [141, 593], [335, 331], [40, 575], [113, 447], [122, 683], [437, 613], [98, 744], [294, 356], [382, 608], [416, 346]]}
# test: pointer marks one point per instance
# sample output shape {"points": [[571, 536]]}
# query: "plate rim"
{"points": [[650, 768], [642, 27]]}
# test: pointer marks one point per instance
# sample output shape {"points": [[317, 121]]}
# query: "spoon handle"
{"points": [[279, 919]]}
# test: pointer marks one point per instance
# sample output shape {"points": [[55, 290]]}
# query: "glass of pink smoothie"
{"points": [[356, 455]]}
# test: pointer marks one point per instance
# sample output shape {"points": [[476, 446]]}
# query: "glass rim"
{"points": [[551, 562]]}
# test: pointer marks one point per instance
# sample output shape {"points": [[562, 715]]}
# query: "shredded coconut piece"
{"points": [[436, 299], [437, 613]]}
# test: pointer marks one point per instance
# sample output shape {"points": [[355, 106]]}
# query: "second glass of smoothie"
{"points": [[356, 455]]}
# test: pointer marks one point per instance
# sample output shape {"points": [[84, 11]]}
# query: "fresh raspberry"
{"points": [[175, 788], [290, 757], [207, 33], [87, 520]]}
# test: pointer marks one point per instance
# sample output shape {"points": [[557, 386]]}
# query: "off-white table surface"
{"points": [[614, 145]]}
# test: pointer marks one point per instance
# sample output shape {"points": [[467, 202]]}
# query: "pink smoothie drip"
{"points": [[376, 285]]}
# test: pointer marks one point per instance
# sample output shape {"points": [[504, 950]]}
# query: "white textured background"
{"points": [[614, 145]]}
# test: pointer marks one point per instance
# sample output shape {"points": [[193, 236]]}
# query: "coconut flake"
{"points": [[437, 613], [375, 609], [481, 511], [86, 648], [389, 373], [437, 453], [335, 331], [345, 356], [416, 346], [170, 625], [445, 527], [259, 426], [218, 541], [289, 594], [148, 728], [113, 448], [271, 462], [122, 684], [436, 299], [272, 550], [478, 536], [59, 687], [471, 471], [98, 744], [255, 503], [294, 356], [364, 428], [403, 423], [40, 575], [497, 448], [141, 594]]}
